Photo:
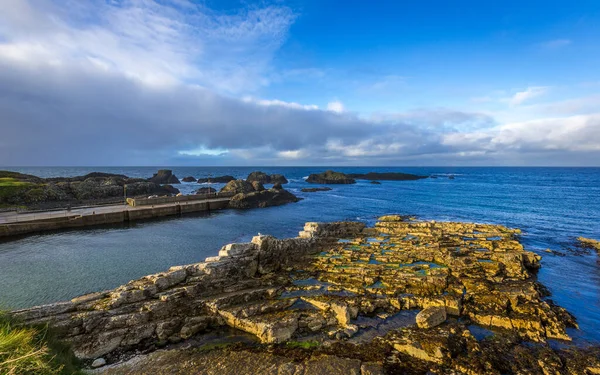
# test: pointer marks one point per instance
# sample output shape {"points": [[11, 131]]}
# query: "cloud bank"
{"points": [[140, 82]]}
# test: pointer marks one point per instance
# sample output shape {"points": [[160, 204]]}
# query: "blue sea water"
{"points": [[552, 206]]}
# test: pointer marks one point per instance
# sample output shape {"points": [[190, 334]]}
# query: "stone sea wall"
{"points": [[185, 300], [77, 221]]}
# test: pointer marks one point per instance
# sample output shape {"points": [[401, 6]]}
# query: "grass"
{"points": [[10, 182], [33, 350], [302, 344]]}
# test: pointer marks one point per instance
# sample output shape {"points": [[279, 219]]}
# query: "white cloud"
{"points": [[158, 43], [335, 106], [281, 103], [572, 134], [529, 93], [292, 154]]}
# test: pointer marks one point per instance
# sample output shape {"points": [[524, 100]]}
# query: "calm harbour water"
{"points": [[551, 205]]}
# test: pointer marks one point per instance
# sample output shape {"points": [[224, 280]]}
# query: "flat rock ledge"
{"points": [[400, 297]]}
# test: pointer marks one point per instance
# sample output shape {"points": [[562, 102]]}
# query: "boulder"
{"points": [[264, 178], [278, 179], [171, 190], [164, 176], [313, 190], [189, 179], [258, 176], [330, 177], [206, 190], [257, 186], [99, 362], [277, 186], [431, 317], [265, 198], [216, 180], [238, 187]]}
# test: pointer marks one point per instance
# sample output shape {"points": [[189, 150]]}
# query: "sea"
{"points": [[552, 206]]}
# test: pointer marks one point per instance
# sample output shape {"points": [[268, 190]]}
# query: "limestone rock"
{"points": [[431, 317], [99, 362]]}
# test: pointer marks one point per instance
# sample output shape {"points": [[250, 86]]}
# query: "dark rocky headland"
{"points": [[333, 177], [402, 297], [22, 190]]}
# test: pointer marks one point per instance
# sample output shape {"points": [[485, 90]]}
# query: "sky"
{"points": [[314, 82]]}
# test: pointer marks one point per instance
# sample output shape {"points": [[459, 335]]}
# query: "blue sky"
{"points": [[178, 82]]}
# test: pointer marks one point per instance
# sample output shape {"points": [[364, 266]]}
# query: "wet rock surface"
{"points": [[400, 297]]}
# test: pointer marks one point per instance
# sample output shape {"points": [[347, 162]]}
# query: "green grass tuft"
{"points": [[33, 350], [302, 344], [9, 181]]}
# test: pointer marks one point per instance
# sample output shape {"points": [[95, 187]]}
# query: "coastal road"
{"points": [[15, 217]]}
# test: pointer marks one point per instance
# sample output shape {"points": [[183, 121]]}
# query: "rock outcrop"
{"points": [[330, 177], [589, 243], [330, 283], [216, 180], [313, 190], [189, 179], [264, 178], [164, 176], [26, 190], [238, 187], [263, 198], [386, 176]]}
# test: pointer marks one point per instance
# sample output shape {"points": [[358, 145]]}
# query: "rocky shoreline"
{"points": [[400, 297], [32, 192]]}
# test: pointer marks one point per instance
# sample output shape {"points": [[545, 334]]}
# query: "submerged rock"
{"points": [[164, 176], [313, 190], [330, 177], [375, 182]]}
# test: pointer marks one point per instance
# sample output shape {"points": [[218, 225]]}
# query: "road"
{"points": [[14, 217]]}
